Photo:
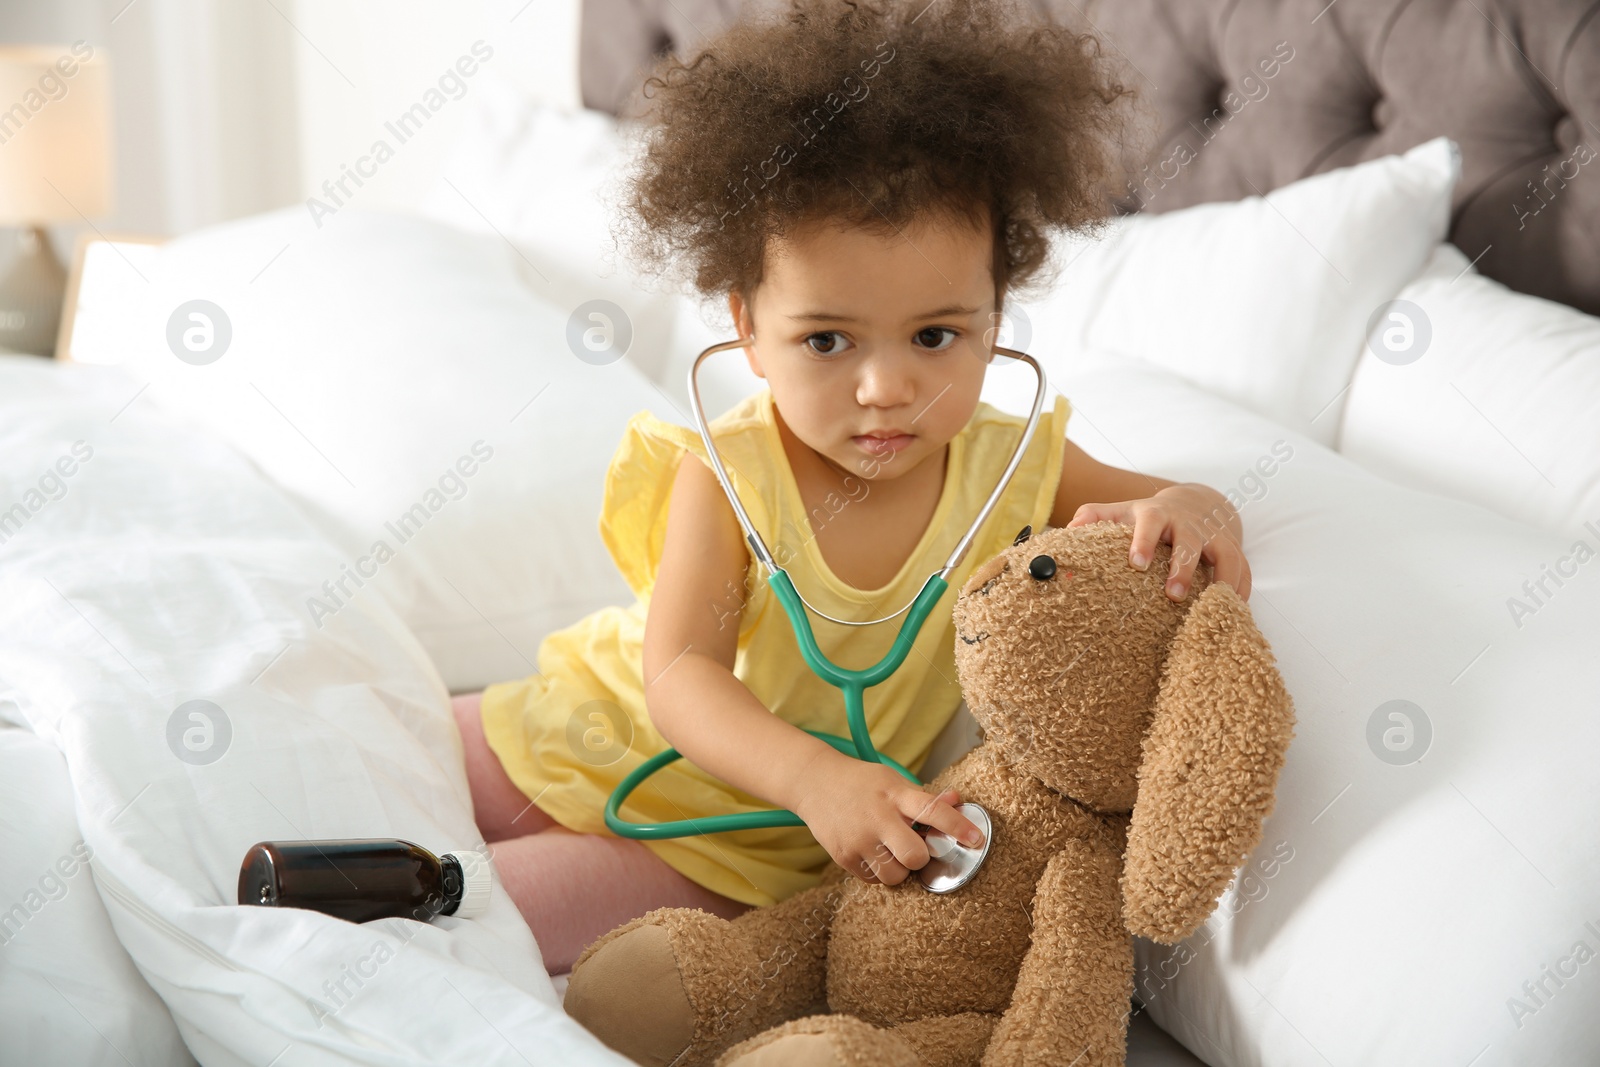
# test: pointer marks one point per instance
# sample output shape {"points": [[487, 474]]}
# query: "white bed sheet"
{"points": [[164, 570]]}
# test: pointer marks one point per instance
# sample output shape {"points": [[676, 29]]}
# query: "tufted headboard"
{"points": [[1516, 83]]}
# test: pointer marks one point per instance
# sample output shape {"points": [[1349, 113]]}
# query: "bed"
{"points": [[204, 646]]}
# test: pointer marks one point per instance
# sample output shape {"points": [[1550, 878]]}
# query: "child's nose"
{"points": [[886, 378]]}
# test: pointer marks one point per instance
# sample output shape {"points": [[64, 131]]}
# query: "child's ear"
{"points": [[996, 318], [743, 313], [740, 311]]}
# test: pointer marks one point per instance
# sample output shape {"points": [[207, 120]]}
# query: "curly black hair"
{"points": [[871, 114]]}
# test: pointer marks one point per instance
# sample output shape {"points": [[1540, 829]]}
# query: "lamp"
{"points": [[55, 166]]}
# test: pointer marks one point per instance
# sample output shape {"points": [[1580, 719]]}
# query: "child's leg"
{"points": [[570, 887], [501, 809]]}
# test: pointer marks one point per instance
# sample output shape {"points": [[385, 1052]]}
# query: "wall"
{"points": [[225, 108], [374, 65]]}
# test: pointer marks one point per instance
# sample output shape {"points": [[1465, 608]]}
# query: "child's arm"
{"points": [[860, 812], [1196, 520]]}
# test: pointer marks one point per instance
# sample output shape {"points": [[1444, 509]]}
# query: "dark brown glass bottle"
{"points": [[361, 879]]}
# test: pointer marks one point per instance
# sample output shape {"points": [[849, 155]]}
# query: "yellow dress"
{"points": [[569, 734]]}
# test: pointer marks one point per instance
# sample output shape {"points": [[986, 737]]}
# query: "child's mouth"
{"points": [[879, 446]]}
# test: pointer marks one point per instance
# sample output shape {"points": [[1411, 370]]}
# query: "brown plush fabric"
{"points": [[634, 992], [1210, 766], [1132, 746]]}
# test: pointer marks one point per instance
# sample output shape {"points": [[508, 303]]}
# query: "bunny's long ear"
{"points": [[1210, 766]]}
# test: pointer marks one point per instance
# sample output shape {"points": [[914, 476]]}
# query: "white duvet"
{"points": [[145, 568]]}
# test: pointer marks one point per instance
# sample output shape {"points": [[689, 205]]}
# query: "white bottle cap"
{"points": [[477, 882]]}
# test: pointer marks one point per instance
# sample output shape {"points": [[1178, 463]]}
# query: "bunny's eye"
{"points": [[1023, 534], [1042, 567]]}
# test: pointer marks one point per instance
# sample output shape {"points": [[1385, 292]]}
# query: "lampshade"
{"points": [[55, 134]]}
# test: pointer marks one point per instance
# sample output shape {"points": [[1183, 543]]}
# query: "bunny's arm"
{"points": [[1210, 765], [1070, 1004]]}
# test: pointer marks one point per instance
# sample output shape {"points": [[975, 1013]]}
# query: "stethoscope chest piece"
{"points": [[951, 864]]}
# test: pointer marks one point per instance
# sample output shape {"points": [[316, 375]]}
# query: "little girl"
{"points": [[864, 187]]}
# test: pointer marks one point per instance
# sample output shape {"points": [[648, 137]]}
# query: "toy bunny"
{"points": [[1131, 751]]}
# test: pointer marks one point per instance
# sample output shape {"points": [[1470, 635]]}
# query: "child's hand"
{"points": [[1196, 520], [862, 814]]}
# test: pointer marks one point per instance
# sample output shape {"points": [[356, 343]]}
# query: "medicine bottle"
{"points": [[361, 879]]}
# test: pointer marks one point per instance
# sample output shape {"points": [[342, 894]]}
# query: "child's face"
{"points": [[858, 333]]}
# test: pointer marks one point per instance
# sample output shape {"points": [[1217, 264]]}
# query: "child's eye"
{"points": [[935, 330], [833, 335]]}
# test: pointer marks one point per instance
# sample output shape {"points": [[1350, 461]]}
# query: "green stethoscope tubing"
{"points": [[853, 684]]}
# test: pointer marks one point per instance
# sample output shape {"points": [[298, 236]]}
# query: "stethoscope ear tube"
{"points": [[752, 536]]}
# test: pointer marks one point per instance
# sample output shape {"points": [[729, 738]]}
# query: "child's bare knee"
{"points": [[468, 716]]}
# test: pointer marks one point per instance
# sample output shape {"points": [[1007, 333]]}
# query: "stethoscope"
{"points": [[950, 864]]}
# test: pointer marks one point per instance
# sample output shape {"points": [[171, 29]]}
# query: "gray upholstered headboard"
{"points": [[1516, 83]]}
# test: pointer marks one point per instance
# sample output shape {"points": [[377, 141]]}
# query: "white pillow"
{"points": [[1394, 910], [1262, 300], [386, 364], [1481, 393], [549, 179], [545, 177]]}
